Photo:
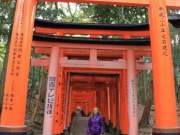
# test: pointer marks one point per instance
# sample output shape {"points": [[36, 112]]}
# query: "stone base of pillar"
{"points": [[175, 131], [13, 130]]}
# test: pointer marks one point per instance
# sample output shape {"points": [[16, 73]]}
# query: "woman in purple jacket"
{"points": [[96, 123]]}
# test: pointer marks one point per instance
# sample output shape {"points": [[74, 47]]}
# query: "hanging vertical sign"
{"points": [[51, 94]]}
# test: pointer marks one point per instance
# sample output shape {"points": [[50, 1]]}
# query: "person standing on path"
{"points": [[96, 123]]}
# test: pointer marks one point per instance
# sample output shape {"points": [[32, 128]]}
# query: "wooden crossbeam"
{"points": [[89, 46], [62, 32], [173, 4], [86, 53], [121, 64]]}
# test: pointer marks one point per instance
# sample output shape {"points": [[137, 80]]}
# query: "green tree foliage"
{"points": [[58, 11], [71, 12], [175, 36], [115, 14], [6, 16], [2, 54]]}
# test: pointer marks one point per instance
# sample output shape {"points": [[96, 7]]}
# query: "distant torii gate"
{"points": [[14, 102], [94, 65], [43, 43]]}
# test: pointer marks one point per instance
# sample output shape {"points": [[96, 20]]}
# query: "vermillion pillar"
{"points": [[16, 83], [69, 105], [123, 118], [58, 124], [109, 103], [50, 93], [67, 100], [163, 75], [59, 111], [132, 93]]}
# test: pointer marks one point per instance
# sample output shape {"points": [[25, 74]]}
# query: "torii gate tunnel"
{"points": [[110, 65]]}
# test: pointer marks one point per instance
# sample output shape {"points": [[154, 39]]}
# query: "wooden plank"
{"points": [[120, 33], [121, 64], [90, 46]]}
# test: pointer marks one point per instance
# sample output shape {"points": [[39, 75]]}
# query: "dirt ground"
{"points": [[36, 128], [148, 129]]}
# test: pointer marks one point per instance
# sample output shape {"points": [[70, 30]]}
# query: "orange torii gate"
{"points": [[94, 65], [58, 29], [43, 43], [92, 30], [13, 112]]}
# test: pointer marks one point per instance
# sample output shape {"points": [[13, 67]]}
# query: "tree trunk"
{"points": [[39, 94], [147, 107]]}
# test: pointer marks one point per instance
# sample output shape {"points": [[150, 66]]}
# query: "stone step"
{"points": [[79, 125]]}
